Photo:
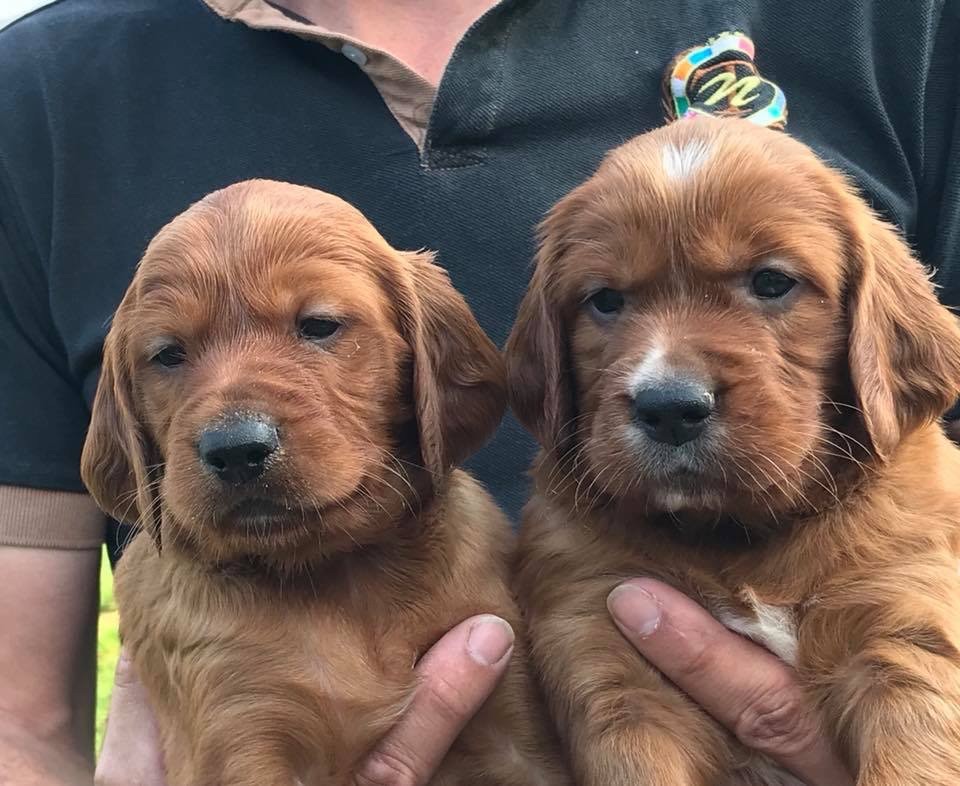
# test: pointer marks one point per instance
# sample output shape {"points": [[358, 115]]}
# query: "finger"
{"points": [[746, 688], [131, 753], [457, 675]]}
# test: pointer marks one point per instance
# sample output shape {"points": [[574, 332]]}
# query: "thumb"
{"points": [[131, 753], [746, 688], [457, 675]]}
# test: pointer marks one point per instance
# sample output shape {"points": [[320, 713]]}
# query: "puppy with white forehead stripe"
{"points": [[735, 371], [283, 401]]}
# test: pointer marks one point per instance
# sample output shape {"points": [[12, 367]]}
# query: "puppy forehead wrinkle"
{"points": [[682, 159]]}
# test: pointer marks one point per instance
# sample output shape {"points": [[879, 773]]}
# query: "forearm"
{"points": [[48, 619], [28, 760]]}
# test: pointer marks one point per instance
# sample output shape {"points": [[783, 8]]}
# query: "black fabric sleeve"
{"points": [[43, 416]]}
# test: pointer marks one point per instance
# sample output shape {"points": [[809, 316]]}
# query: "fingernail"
{"points": [[489, 640], [635, 609]]}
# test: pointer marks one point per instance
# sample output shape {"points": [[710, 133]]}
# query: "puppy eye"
{"points": [[317, 328], [607, 301], [169, 356], [769, 283]]}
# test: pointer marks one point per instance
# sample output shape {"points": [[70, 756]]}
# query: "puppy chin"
{"points": [[253, 518], [248, 523], [260, 514], [673, 500], [679, 478]]}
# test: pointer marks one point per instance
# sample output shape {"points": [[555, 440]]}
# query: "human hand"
{"points": [[457, 675], [130, 755], [746, 688]]}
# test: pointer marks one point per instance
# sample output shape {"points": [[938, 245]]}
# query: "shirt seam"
{"points": [[498, 102]]}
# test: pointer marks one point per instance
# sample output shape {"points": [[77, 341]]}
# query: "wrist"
{"points": [[30, 759]]}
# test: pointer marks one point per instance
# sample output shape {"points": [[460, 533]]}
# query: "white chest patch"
{"points": [[681, 162], [773, 627]]}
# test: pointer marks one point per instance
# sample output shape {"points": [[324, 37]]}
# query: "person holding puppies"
{"points": [[453, 127]]}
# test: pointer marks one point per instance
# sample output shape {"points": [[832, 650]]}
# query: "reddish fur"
{"points": [[286, 651], [829, 487]]}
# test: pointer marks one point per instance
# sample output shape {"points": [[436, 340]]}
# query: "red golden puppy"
{"points": [[735, 371], [283, 400]]}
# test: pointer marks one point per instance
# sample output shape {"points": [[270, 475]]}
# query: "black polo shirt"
{"points": [[114, 116]]}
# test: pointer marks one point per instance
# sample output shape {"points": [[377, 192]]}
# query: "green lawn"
{"points": [[108, 644]]}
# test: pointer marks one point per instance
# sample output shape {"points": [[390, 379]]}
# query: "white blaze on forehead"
{"points": [[650, 369], [681, 161]]}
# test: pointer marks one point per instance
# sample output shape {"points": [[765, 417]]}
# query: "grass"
{"points": [[108, 644]]}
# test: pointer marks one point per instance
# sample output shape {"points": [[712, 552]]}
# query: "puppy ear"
{"points": [[459, 382], [116, 455], [538, 373], [904, 349]]}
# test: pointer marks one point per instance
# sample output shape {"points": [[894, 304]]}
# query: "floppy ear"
{"points": [[538, 373], [904, 349], [117, 453], [459, 384]]}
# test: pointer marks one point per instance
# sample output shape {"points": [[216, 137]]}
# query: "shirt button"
{"points": [[354, 54]]}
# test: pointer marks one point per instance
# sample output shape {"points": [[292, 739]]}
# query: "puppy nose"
{"points": [[237, 450], [673, 411]]}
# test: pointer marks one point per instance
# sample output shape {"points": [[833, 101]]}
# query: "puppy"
{"points": [[282, 402], [735, 371]]}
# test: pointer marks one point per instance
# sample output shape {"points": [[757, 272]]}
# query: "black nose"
{"points": [[237, 450], [673, 411]]}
